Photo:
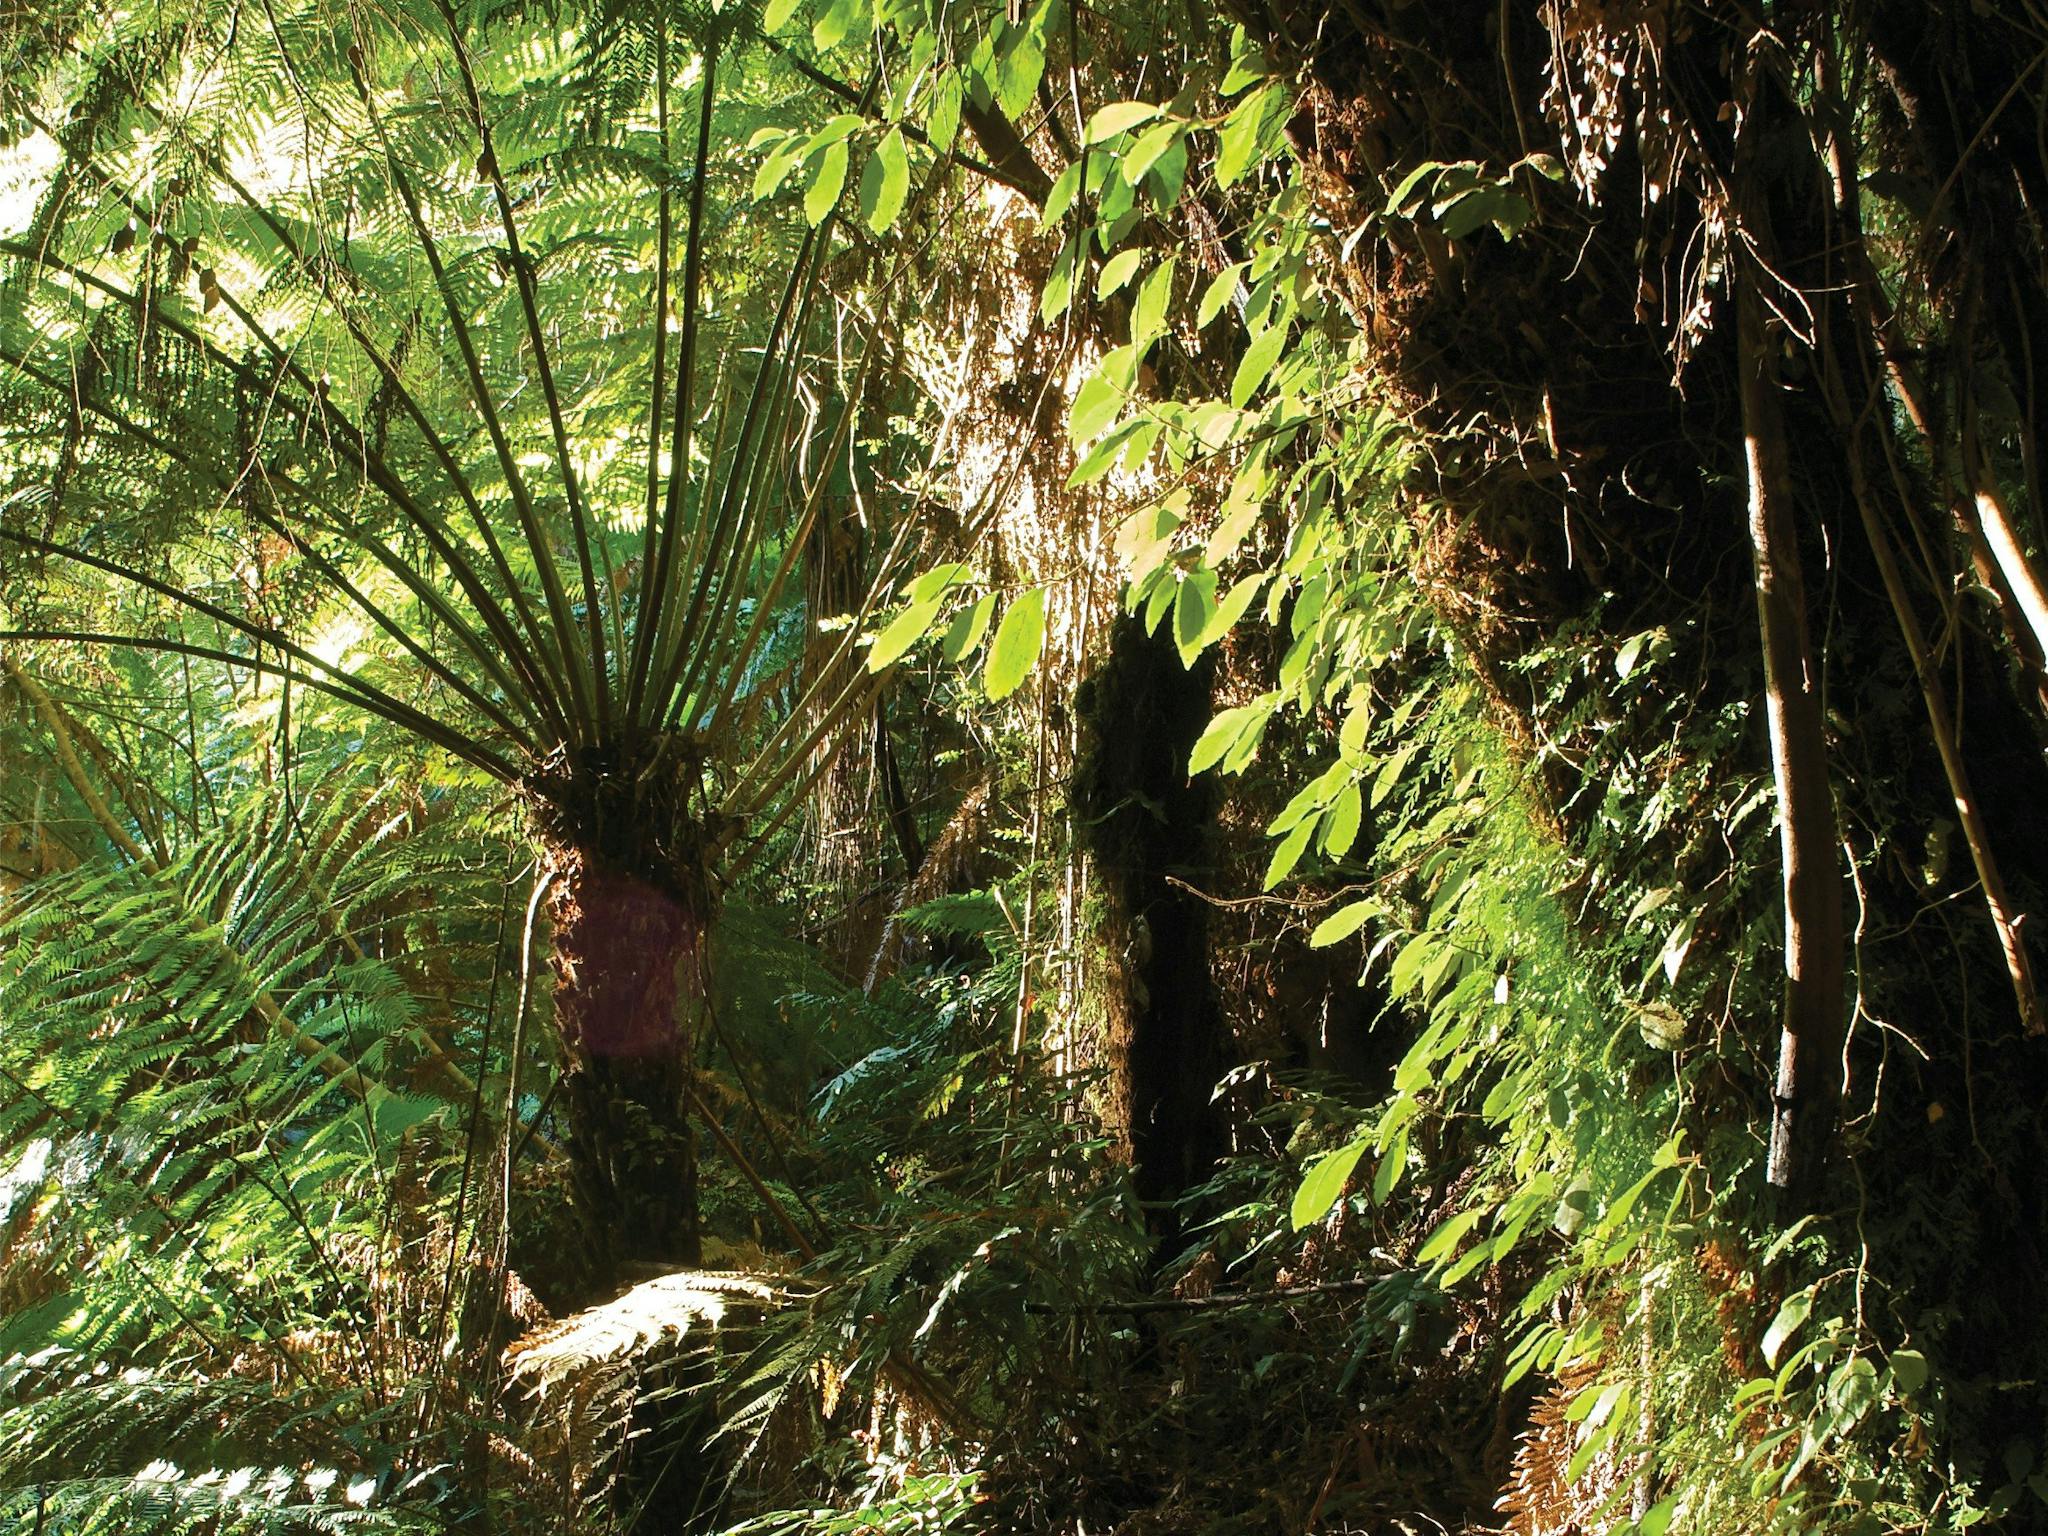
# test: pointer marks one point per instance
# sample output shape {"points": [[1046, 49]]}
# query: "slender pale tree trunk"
{"points": [[1809, 1077]]}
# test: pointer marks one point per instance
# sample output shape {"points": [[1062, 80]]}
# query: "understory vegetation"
{"points": [[847, 766]]}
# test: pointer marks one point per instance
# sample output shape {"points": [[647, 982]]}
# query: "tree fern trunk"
{"points": [[629, 980]]}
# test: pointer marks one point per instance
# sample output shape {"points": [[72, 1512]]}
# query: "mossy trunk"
{"points": [[1146, 822], [629, 985]]}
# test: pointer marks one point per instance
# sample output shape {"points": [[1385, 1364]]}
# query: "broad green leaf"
{"points": [[775, 14], [1256, 363], [1099, 460], [885, 182], [967, 628], [1341, 924], [1246, 69], [1240, 511], [1323, 1183], [774, 170], [1061, 197], [1287, 855], [1340, 824], [1909, 1370], [1791, 1317], [903, 631], [1230, 610], [1393, 1163], [1117, 271], [1059, 284], [1390, 773], [1410, 192], [1168, 175], [1096, 405], [942, 124], [1497, 204], [1148, 310], [1018, 75], [1014, 651], [1193, 607], [837, 23], [1246, 135], [1220, 737], [1677, 944], [1416, 954], [843, 125], [1149, 146], [1118, 117], [1447, 1236], [828, 177], [938, 579], [1221, 290]]}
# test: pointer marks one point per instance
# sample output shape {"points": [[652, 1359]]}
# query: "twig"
{"points": [[1209, 1303]]}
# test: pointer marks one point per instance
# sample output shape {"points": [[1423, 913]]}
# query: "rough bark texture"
{"points": [[628, 965]]}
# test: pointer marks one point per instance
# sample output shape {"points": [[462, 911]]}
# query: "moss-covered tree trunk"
{"points": [[1148, 828]]}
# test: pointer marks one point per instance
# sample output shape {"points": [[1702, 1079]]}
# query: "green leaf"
{"points": [[1447, 1236], [1341, 924], [938, 579], [828, 177], [1096, 404], [774, 170], [1059, 284], [1393, 1163], [1657, 1519], [1909, 1370], [1256, 363], [1323, 1183], [1246, 134], [902, 632], [1061, 197], [1019, 639], [885, 182], [1230, 610], [1245, 69], [1118, 117], [1193, 607], [967, 628], [1222, 733], [776, 14], [1100, 459], [1019, 73], [1409, 193], [1791, 1317], [1144, 153], [832, 28], [1495, 203], [1340, 825], [942, 121], [1117, 271], [1221, 290], [1148, 310], [1288, 854]]}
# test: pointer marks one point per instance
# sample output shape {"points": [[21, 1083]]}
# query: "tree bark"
{"points": [[628, 961], [1809, 1076]]}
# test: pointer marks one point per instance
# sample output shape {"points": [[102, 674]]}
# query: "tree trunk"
{"points": [[1809, 1080], [629, 974], [1145, 821]]}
